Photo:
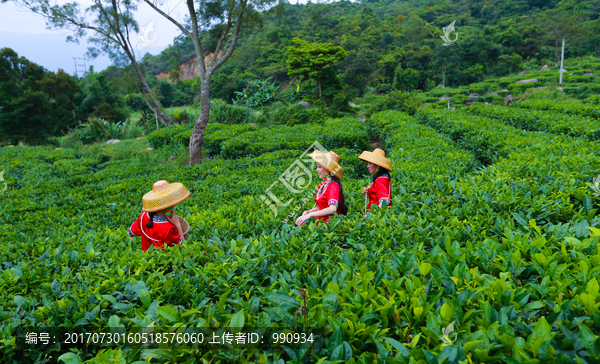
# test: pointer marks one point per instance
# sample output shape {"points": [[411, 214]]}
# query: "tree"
{"points": [[314, 61], [112, 23], [214, 20], [35, 103], [136, 102], [100, 99], [406, 79], [562, 25], [357, 70], [446, 56]]}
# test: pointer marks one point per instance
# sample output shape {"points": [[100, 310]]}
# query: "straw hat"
{"points": [[164, 195], [377, 157], [329, 161]]}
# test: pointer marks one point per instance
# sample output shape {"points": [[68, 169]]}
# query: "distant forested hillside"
{"points": [[398, 44]]}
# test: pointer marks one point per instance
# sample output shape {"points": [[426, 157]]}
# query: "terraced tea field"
{"points": [[492, 233]]}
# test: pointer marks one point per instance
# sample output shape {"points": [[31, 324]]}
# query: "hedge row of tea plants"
{"points": [[539, 120], [382, 288], [545, 174], [235, 141], [571, 108]]}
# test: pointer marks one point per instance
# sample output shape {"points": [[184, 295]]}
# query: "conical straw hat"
{"points": [[164, 195], [377, 157], [329, 161]]}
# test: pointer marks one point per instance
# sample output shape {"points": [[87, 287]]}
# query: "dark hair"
{"points": [[382, 171], [150, 223], [344, 208]]}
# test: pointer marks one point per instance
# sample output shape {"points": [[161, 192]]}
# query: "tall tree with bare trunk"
{"points": [[222, 19], [112, 23]]}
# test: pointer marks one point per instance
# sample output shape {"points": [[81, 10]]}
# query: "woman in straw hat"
{"points": [[330, 195], [380, 190], [158, 225]]}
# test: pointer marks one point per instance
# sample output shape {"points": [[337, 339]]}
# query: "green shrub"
{"points": [[347, 132], [99, 129], [538, 120], [182, 116], [298, 137], [566, 106], [216, 134], [221, 112], [395, 100], [593, 100], [166, 136], [295, 114]]}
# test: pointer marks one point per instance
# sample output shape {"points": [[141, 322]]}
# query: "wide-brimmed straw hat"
{"points": [[329, 161], [377, 157], [164, 195]]}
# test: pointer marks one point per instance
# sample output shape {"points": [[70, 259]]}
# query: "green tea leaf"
{"points": [[145, 298], [398, 346], [425, 268], [592, 287], [587, 339], [70, 358], [168, 313], [237, 320], [470, 345], [446, 312]]}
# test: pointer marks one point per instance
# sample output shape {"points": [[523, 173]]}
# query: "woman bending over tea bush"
{"points": [[380, 190], [330, 195], [158, 225]]}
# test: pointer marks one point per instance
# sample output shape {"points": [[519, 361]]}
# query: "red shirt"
{"points": [[326, 196], [162, 232], [379, 191]]}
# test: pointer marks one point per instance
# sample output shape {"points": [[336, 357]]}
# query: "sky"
{"points": [[26, 34]]}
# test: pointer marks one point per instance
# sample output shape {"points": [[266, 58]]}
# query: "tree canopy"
{"points": [[34, 103]]}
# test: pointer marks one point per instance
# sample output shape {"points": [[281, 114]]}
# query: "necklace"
{"points": [[322, 189]]}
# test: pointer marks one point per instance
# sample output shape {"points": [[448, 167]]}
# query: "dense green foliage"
{"points": [[34, 103], [537, 120], [572, 108], [397, 44], [491, 227]]}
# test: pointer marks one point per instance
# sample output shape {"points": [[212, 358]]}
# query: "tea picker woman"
{"points": [[330, 195], [158, 225], [380, 190]]}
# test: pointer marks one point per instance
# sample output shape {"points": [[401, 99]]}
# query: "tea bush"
{"points": [[394, 100], [571, 108], [492, 228], [280, 114], [538, 120], [224, 113]]}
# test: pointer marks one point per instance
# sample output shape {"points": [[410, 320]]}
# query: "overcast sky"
{"points": [[26, 33]]}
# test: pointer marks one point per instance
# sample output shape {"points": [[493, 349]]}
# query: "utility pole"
{"points": [[562, 58], [79, 67]]}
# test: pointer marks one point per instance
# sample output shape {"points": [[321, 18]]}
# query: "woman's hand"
{"points": [[303, 218], [174, 220], [365, 190]]}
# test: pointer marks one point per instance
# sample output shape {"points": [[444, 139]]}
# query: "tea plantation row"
{"points": [[489, 228]]}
